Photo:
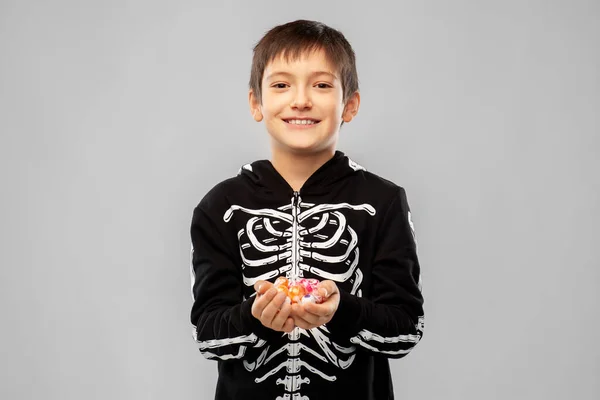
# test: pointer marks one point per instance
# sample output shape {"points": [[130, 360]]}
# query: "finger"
{"points": [[322, 310], [300, 312], [302, 323], [261, 287], [289, 325], [261, 302], [281, 317], [271, 309], [327, 288]]}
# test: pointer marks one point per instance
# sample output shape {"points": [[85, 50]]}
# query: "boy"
{"points": [[309, 212]]}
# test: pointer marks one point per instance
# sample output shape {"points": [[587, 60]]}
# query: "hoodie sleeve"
{"points": [[224, 327], [391, 321]]}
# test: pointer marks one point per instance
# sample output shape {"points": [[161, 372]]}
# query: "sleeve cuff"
{"points": [[346, 321], [254, 325]]}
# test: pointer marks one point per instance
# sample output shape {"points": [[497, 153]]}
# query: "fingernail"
{"points": [[259, 286]]}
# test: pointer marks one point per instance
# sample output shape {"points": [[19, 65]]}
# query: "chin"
{"points": [[301, 144], [304, 148], [301, 149]]}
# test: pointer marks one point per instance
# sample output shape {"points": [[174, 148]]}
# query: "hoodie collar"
{"points": [[266, 178]]}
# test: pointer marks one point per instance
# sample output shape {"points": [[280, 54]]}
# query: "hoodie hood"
{"points": [[263, 175]]}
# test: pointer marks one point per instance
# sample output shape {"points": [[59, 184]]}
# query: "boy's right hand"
{"points": [[271, 308]]}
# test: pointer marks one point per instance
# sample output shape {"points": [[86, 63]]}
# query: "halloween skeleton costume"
{"points": [[346, 225]]}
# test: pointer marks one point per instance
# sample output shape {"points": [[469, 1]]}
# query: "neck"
{"points": [[297, 168]]}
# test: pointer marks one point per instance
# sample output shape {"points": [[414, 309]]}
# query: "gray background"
{"points": [[117, 116]]}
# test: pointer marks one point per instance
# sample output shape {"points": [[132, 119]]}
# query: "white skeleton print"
{"points": [[293, 240]]}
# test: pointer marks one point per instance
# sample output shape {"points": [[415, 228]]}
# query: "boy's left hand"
{"points": [[310, 315]]}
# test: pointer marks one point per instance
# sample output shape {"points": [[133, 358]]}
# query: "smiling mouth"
{"points": [[302, 122]]}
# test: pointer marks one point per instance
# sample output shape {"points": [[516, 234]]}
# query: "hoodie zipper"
{"points": [[294, 275], [295, 237]]}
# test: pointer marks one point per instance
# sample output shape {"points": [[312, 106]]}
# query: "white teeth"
{"points": [[301, 122]]}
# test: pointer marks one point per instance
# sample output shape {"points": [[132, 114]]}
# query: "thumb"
{"points": [[327, 288], [261, 287]]}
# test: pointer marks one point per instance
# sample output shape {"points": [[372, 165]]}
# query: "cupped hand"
{"points": [[271, 308], [312, 315]]}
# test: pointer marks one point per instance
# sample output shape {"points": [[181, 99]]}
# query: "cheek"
{"points": [[335, 111], [334, 106], [272, 105]]}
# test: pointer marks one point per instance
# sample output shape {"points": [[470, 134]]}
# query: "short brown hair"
{"points": [[293, 39]]}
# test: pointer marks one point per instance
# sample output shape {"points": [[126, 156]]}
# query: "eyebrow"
{"points": [[276, 73]]}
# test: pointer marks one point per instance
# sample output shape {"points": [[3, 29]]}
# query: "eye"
{"points": [[279, 85], [324, 85]]}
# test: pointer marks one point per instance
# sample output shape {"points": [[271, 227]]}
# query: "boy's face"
{"points": [[310, 89]]}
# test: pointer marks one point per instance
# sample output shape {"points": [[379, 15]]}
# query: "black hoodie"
{"points": [[346, 225]]}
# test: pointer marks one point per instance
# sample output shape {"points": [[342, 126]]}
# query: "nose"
{"points": [[301, 100]]}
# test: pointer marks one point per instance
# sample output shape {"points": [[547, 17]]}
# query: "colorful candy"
{"points": [[300, 290]]}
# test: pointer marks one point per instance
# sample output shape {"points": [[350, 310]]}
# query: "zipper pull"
{"points": [[296, 194]]}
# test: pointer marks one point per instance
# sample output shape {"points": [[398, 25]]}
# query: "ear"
{"points": [[255, 106], [351, 108]]}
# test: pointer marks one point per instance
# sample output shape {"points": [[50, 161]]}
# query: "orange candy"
{"points": [[281, 281], [296, 292], [283, 288]]}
